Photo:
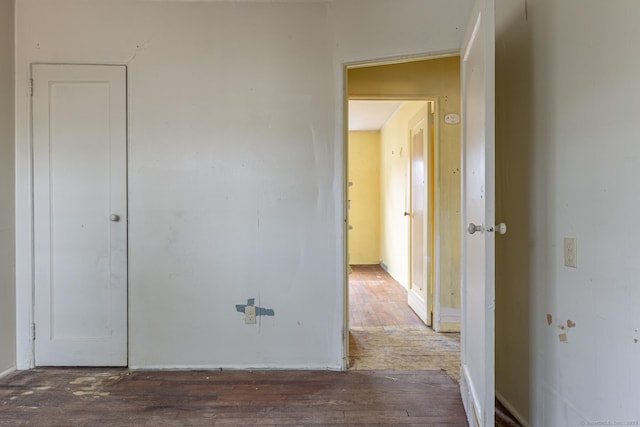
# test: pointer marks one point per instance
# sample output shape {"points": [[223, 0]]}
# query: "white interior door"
{"points": [[418, 294], [80, 215], [477, 381]]}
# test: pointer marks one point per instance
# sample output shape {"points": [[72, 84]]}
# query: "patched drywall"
{"points": [[7, 192]]}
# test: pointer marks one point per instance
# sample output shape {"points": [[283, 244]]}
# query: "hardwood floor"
{"points": [[118, 397], [376, 299], [384, 333], [400, 377]]}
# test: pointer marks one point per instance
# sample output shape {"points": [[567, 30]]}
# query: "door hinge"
{"points": [[33, 331], [30, 87]]}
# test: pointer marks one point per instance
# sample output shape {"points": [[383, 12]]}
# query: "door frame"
{"points": [[346, 66], [24, 312]]}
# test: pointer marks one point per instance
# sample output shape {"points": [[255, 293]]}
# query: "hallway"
{"points": [[385, 334]]}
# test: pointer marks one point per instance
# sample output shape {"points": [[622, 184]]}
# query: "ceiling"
{"points": [[371, 115]]}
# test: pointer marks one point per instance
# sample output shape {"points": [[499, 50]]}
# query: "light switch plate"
{"points": [[571, 252]]}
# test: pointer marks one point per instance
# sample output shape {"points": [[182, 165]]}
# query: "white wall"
{"points": [[235, 162], [568, 97], [7, 192]]}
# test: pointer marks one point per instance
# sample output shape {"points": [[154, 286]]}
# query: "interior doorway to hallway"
{"points": [[400, 250]]}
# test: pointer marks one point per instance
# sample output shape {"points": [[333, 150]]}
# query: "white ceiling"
{"points": [[371, 115]]}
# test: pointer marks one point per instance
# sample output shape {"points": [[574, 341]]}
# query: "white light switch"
{"points": [[570, 252]]}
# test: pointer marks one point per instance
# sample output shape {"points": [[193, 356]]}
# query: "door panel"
{"points": [[420, 271], [79, 145], [478, 301]]}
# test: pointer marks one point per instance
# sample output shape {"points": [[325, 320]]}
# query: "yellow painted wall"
{"points": [[438, 79], [394, 197], [364, 197]]}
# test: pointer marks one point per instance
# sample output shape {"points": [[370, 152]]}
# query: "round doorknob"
{"points": [[472, 228], [501, 228], [114, 217]]}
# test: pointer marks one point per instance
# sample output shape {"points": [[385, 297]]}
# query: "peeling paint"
{"points": [[260, 311], [549, 319], [571, 324], [563, 338], [561, 327]]}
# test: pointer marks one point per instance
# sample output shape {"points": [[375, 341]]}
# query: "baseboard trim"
{"points": [[418, 305], [511, 409], [469, 401], [7, 372], [256, 367]]}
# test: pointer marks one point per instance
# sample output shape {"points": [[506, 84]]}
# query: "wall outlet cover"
{"points": [[250, 315]]}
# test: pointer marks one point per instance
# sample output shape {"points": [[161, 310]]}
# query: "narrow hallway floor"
{"points": [[385, 334]]}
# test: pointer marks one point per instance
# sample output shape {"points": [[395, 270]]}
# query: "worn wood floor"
{"points": [[386, 334], [118, 397], [401, 376]]}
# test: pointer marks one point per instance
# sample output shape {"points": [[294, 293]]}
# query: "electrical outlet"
{"points": [[250, 315], [570, 252]]}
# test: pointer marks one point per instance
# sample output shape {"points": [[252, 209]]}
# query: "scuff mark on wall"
{"points": [[563, 338], [549, 319], [139, 47], [571, 324], [260, 311]]}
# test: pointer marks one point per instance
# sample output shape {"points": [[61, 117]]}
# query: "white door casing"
{"points": [[477, 383], [80, 215]]}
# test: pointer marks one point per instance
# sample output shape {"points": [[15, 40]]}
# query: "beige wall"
{"points": [[395, 199], [364, 197], [7, 170], [438, 79], [567, 153]]}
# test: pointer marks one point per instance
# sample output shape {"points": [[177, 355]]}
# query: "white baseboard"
{"points": [[511, 409], [256, 367], [468, 398], [418, 305]]}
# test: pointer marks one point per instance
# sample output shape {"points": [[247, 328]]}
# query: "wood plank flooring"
{"points": [[384, 333], [118, 397], [400, 378], [377, 300]]}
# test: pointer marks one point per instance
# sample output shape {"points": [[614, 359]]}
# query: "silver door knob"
{"points": [[472, 228], [114, 217]]}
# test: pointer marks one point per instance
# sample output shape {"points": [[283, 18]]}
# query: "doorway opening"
{"points": [[403, 215]]}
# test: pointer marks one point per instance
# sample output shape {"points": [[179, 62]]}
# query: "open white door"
{"points": [[421, 218], [477, 382], [80, 215]]}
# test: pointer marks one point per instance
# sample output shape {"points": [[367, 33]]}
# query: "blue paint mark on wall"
{"points": [[260, 311]]}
